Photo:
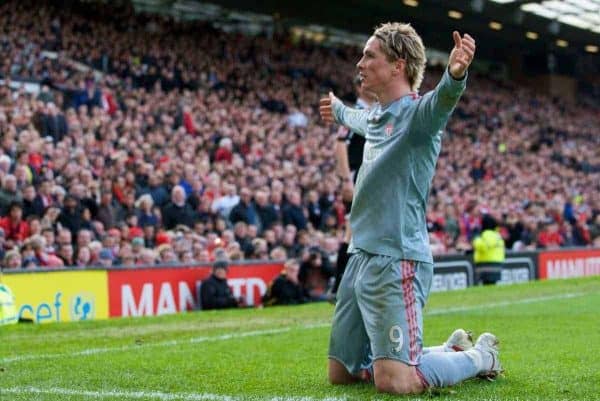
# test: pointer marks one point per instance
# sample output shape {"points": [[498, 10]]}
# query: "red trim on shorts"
{"points": [[413, 311], [406, 300], [408, 295], [424, 381]]}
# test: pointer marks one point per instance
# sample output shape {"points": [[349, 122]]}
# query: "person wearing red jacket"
{"points": [[15, 228], [188, 121]]}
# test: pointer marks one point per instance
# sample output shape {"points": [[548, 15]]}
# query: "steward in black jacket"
{"points": [[215, 292]]}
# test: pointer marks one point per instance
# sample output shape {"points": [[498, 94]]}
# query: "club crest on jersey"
{"points": [[389, 129]]}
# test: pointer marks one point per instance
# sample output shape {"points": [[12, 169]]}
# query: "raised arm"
{"points": [[435, 107], [333, 110]]}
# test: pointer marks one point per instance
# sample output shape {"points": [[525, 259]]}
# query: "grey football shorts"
{"points": [[379, 303]]}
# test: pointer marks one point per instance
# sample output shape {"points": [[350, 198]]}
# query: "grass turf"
{"points": [[549, 333]]}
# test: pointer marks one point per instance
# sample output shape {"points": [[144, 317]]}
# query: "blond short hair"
{"points": [[401, 41]]}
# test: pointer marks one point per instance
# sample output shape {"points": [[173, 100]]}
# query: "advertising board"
{"points": [[159, 291], [60, 296], [569, 263], [451, 273]]}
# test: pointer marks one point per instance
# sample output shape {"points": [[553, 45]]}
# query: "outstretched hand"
{"points": [[325, 108], [462, 54]]}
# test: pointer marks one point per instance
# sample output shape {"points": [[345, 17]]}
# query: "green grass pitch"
{"points": [[549, 333]]}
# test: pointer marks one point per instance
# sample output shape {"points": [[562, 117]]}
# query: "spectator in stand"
{"points": [[88, 95], [9, 193], [125, 257], [12, 260], [267, 216], [293, 212], [146, 215], [147, 257], [63, 237], [105, 258], [215, 292], [32, 203], [157, 189], [84, 238], [313, 206], [108, 211], [16, 230], [28, 255], [112, 241], [150, 237], [53, 123], [188, 121], [240, 231], [44, 249], [227, 201], [5, 160], [244, 211], [65, 253], [95, 248], [225, 151], [45, 194], [166, 255], [234, 251], [251, 232], [260, 249], [70, 217], [202, 256], [178, 211], [577, 233], [83, 258], [137, 246], [550, 236], [286, 288], [278, 253], [276, 201], [44, 253]]}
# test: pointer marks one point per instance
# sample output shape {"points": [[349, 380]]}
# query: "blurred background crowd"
{"points": [[156, 142]]}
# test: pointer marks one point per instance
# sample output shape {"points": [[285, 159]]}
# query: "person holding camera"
{"points": [[286, 288], [315, 275]]}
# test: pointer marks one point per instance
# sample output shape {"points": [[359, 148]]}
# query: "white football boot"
{"points": [[459, 340], [488, 345]]}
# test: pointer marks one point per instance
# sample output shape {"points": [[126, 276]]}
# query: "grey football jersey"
{"points": [[403, 141]]}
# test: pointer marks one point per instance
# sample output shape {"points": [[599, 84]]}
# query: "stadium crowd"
{"points": [[181, 139]]}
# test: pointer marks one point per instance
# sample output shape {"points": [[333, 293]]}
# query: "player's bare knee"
{"points": [[337, 380], [394, 387], [340, 378], [412, 387], [338, 374], [399, 384], [384, 384], [335, 377]]}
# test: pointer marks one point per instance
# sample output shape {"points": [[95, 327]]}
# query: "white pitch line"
{"points": [[235, 335], [441, 311], [146, 328], [157, 395], [223, 337]]}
